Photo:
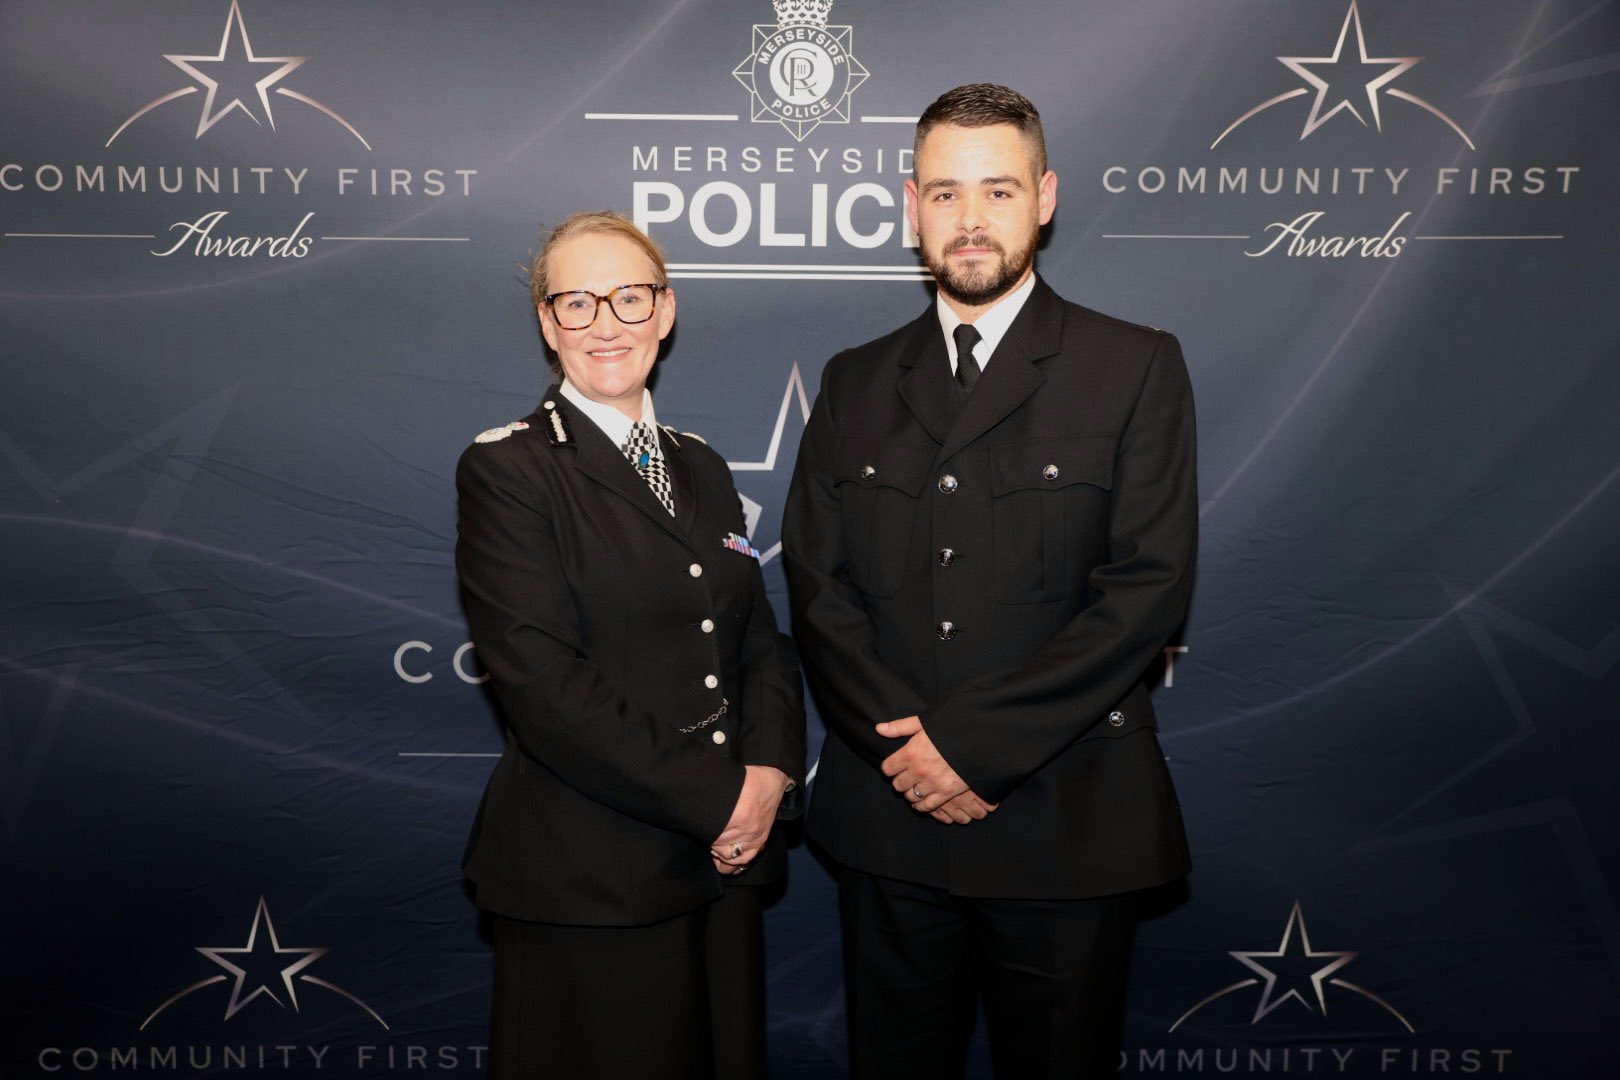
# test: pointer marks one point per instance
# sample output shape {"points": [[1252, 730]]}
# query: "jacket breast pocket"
{"points": [[1049, 514], [879, 484]]}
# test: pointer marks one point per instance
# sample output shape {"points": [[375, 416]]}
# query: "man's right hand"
{"points": [[965, 808]]}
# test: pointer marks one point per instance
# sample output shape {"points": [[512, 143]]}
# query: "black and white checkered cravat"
{"points": [[642, 450]]}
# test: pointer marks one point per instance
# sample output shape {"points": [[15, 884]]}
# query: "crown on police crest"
{"points": [[802, 12]]}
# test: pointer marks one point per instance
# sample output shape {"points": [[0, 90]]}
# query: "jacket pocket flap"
{"points": [[874, 462], [1049, 464]]}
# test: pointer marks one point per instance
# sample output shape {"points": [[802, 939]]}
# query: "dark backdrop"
{"points": [[240, 743]]}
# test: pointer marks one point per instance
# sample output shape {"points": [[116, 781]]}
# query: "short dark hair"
{"points": [[983, 105]]}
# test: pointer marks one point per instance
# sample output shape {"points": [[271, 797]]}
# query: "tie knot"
{"points": [[967, 365], [966, 338]]}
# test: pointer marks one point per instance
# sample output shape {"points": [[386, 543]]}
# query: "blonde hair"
{"points": [[586, 222]]}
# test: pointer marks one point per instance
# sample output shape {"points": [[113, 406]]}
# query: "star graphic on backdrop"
{"points": [[1345, 70], [259, 965], [239, 69], [231, 67], [1289, 964], [1293, 966], [752, 510], [258, 958]]}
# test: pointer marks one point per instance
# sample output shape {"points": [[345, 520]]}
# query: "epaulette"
{"points": [[559, 434], [671, 432], [496, 434]]}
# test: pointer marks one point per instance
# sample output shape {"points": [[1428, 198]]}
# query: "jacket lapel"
{"points": [[1011, 375], [681, 481], [926, 387], [604, 463]]}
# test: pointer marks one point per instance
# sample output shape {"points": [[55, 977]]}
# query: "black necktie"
{"points": [[967, 368]]}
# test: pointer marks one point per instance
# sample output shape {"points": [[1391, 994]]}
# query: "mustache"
{"points": [[976, 241]]}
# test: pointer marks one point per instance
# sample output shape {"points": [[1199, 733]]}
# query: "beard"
{"points": [[985, 279]]}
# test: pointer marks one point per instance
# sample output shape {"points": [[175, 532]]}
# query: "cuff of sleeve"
{"points": [[719, 800], [792, 804], [954, 733]]}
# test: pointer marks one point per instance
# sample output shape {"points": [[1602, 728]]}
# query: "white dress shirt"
{"points": [[991, 325], [614, 424]]}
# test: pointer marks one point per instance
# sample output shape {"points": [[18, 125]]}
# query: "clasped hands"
{"points": [[751, 819], [926, 779]]}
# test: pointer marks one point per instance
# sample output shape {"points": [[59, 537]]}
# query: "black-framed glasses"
{"points": [[630, 304]]}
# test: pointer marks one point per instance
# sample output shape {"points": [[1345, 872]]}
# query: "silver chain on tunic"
{"points": [[701, 724]]}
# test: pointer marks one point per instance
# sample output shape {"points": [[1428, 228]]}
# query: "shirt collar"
{"points": [[614, 424], [992, 325]]}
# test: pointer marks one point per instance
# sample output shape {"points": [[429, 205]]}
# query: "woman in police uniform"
{"points": [[654, 715]]}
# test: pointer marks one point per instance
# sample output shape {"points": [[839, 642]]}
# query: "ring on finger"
{"points": [[736, 851], [916, 793]]}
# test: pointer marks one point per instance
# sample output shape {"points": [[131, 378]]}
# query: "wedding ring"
{"points": [[916, 793], [736, 851]]}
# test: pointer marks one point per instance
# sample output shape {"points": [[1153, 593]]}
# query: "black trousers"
{"points": [[682, 999], [916, 960]]}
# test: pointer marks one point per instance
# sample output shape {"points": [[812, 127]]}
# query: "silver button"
{"points": [[1050, 472], [695, 570], [718, 737], [711, 681], [948, 484], [946, 556], [946, 630], [868, 472], [707, 626], [1116, 718]]}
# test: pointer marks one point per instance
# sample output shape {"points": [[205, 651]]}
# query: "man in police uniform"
{"points": [[989, 537]]}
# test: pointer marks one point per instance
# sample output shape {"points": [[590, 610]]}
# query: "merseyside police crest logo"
{"points": [[801, 72]]}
